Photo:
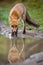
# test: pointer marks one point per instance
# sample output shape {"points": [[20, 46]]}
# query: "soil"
{"points": [[6, 31]]}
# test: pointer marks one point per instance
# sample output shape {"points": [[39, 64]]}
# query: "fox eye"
{"points": [[15, 25], [12, 26]]}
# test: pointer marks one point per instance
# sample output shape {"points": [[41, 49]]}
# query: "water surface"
{"points": [[32, 46]]}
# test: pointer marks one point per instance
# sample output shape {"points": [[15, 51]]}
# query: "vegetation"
{"points": [[34, 8]]}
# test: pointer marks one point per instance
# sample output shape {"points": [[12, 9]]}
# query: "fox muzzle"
{"points": [[14, 32]]}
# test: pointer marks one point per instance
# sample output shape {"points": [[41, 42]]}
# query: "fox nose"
{"points": [[14, 30]]}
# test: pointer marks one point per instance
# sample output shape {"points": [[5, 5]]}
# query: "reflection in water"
{"points": [[32, 46], [14, 55]]}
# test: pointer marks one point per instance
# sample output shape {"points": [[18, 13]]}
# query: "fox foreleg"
{"points": [[16, 32], [12, 33]]}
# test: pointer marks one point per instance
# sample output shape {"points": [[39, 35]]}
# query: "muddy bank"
{"points": [[6, 31]]}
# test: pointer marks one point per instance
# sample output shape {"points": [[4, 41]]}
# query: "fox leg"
{"points": [[16, 32], [24, 25], [24, 29], [12, 34]]}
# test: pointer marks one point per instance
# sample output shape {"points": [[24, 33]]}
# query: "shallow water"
{"points": [[32, 46]]}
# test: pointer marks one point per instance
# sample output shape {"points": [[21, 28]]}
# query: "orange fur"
{"points": [[13, 55], [16, 12]]}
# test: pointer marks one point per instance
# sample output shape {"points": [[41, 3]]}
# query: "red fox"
{"points": [[19, 10]]}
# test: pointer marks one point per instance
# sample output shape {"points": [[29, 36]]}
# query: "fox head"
{"points": [[14, 24]]}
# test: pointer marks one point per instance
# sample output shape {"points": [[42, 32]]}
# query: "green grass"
{"points": [[4, 12], [35, 10], [36, 13]]}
